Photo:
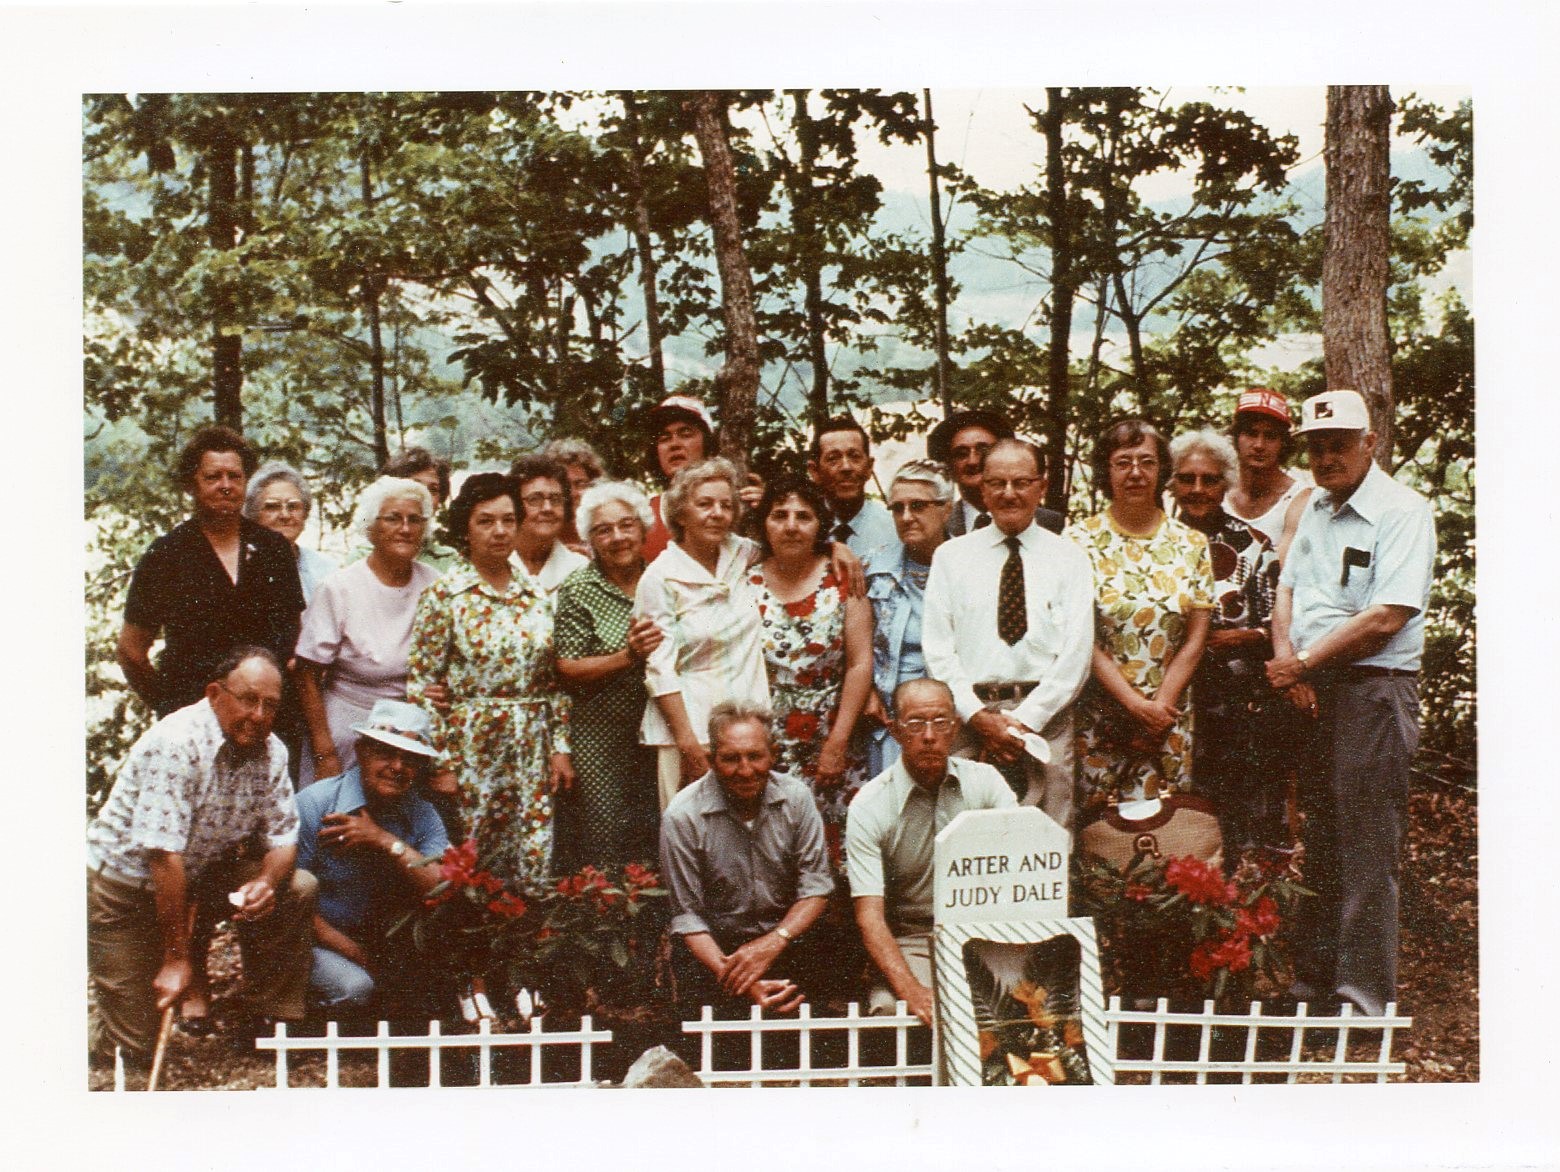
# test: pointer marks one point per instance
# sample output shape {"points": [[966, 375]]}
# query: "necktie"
{"points": [[1012, 621], [842, 532], [983, 520]]}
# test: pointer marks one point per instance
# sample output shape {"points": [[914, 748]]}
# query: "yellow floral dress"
{"points": [[1145, 589], [493, 650]]}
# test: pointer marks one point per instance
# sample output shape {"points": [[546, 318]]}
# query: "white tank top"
{"points": [[1271, 523]]}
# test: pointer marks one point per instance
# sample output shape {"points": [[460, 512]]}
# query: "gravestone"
{"points": [[1000, 865]]}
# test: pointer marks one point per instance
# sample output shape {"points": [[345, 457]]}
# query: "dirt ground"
{"points": [[1438, 974]]}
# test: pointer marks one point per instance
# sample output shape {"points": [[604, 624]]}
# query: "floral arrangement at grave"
{"points": [[583, 941], [1179, 928], [1029, 1030]]}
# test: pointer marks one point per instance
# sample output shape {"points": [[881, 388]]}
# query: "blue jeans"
{"points": [[338, 983]]}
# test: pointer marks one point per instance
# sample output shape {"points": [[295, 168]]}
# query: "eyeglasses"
{"points": [[1017, 484], [916, 727], [252, 701], [628, 526], [914, 508], [272, 508], [1128, 463], [965, 451], [1191, 479], [536, 500], [396, 520]]}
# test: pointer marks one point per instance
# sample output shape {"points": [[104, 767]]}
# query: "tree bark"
{"points": [[1356, 345], [644, 245], [1063, 288], [373, 284], [737, 380], [227, 374], [804, 223], [939, 256]]}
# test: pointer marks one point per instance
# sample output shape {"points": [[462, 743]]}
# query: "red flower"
{"points": [[801, 726], [458, 868], [803, 607], [508, 905], [1138, 891], [1261, 919], [1199, 882], [637, 875]]}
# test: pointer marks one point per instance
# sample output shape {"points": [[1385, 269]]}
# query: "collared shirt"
{"points": [[893, 825], [560, 563], [356, 883], [185, 789], [959, 622], [871, 527], [962, 519], [896, 587], [1385, 522], [181, 589], [313, 568], [713, 646], [729, 879]]}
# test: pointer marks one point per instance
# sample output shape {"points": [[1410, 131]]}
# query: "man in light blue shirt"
{"points": [[1348, 633], [840, 463]]}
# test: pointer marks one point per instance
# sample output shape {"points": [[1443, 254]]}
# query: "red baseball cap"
{"points": [[1261, 401]]}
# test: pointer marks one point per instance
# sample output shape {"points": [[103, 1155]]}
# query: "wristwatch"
{"points": [[398, 849], [1305, 659], [781, 932]]}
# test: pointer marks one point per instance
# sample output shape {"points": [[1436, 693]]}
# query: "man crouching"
{"points": [[743, 854]]}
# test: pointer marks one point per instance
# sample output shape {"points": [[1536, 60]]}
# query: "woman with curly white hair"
{"points": [[358, 627]]}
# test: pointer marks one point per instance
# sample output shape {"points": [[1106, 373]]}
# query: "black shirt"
{"points": [[181, 589]]}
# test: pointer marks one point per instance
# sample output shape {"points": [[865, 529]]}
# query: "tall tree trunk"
{"points": [[227, 374], [939, 255], [737, 380], [373, 286], [1063, 288], [1356, 346], [644, 245], [804, 222]]}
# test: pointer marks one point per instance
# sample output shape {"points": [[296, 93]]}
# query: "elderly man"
{"points": [[202, 794], [961, 442], [840, 463], [364, 836], [889, 835], [742, 851], [1348, 633], [212, 583], [1009, 626]]}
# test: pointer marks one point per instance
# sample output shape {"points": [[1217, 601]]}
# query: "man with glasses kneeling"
{"points": [[889, 833], [364, 836]]}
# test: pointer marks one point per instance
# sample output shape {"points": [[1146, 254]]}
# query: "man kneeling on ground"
{"points": [[742, 851], [364, 836], [890, 829]]}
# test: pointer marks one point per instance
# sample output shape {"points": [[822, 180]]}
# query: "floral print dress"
{"points": [[1145, 589], [804, 652], [493, 650]]}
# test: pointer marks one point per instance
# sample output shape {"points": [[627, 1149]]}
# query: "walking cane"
{"points": [[165, 1029]]}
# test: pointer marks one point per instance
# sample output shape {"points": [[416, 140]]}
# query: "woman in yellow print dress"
{"points": [[1153, 588], [485, 632]]}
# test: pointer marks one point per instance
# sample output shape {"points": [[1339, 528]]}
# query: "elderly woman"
{"points": [[698, 595], [485, 632], [817, 642], [278, 498], [433, 473], [547, 510], [920, 497], [601, 649], [1238, 757], [357, 630], [584, 467], [1153, 593]]}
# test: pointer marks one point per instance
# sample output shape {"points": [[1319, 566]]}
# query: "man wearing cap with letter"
{"points": [[1264, 492], [364, 835], [961, 442], [1348, 633]]}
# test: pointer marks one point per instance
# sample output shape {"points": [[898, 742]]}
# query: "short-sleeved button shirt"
{"points": [[357, 886], [187, 790], [181, 589]]}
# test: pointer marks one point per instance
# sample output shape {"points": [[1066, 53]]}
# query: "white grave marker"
{"points": [[992, 865]]}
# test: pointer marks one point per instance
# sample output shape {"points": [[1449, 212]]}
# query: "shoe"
{"points": [[195, 1027]]}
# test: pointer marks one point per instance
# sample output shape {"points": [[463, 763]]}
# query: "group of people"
{"points": [[784, 689]]}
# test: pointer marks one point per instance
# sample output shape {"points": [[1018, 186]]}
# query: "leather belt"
{"points": [[996, 693], [1371, 671]]}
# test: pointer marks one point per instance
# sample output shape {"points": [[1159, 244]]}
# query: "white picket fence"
{"points": [[832, 1051]]}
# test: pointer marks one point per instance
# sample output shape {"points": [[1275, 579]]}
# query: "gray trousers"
{"points": [[1354, 791]]}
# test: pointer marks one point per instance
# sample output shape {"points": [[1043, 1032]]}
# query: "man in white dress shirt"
{"points": [[1009, 626]]}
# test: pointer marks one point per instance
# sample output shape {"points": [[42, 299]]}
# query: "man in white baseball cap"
{"points": [[363, 835], [1348, 634]]}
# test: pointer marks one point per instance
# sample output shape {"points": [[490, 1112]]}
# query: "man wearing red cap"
{"points": [[1265, 492]]}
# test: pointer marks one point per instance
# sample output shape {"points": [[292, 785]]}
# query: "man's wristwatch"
{"points": [[398, 850], [781, 932], [1305, 660]]}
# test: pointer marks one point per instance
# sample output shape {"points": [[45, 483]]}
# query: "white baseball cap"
{"points": [[1334, 411]]}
